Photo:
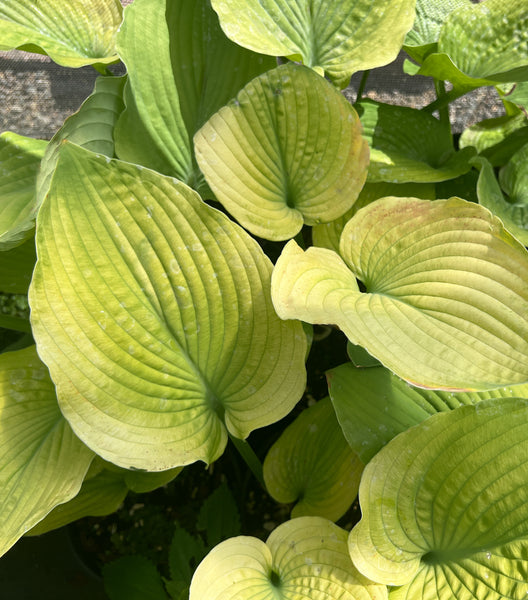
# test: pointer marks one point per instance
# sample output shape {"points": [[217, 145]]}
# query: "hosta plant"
{"points": [[183, 232]]}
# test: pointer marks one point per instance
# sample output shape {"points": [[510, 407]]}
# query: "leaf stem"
{"points": [[443, 111], [362, 85], [250, 458], [444, 100]]}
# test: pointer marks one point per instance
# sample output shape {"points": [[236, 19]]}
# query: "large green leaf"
{"points": [[482, 44], [303, 559], [197, 70], [373, 405], [339, 38], [287, 151], [312, 464], [91, 127], [19, 163], [73, 33], [409, 145], [445, 507], [153, 312], [446, 299], [514, 213], [42, 462]]}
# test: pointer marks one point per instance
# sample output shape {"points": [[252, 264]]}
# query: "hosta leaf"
{"points": [[197, 71], [513, 214], [42, 462], [373, 405], [16, 268], [409, 145], [518, 96], [19, 163], [287, 151], [338, 38], [91, 127], [327, 235], [444, 507], [482, 44], [153, 313], [312, 464], [73, 33], [430, 16], [446, 296], [303, 559]]}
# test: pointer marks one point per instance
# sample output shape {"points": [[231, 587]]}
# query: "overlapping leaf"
{"points": [[287, 151], [373, 405], [153, 313], [303, 559], [338, 38], [482, 44], [197, 70], [446, 299], [42, 462], [409, 145], [312, 464], [73, 33], [445, 507], [19, 163]]}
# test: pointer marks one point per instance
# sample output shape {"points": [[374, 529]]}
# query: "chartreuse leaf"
{"points": [[408, 145], [482, 44], [103, 490], [338, 39], [73, 33], [42, 462], [430, 16], [91, 127], [327, 235], [287, 151], [312, 464], [446, 292], [19, 163], [444, 507], [153, 313], [197, 71], [373, 405], [303, 559], [514, 214]]}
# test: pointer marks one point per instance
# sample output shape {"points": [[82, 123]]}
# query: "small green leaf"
{"points": [[409, 145], [185, 553], [156, 310], [219, 517], [197, 71], [435, 311], [287, 151], [373, 405], [303, 559], [133, 578], [73, 33], [312, 464], [445, 507], [16, 268], [19, 164], [42, 462], [350, 36], [360, 357]]}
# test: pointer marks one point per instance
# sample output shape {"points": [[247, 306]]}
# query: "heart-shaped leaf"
{"points": [[408, 145], [435, 311], [197, 71], [373, 405], [153, 313], [312, 464], [340, 39], [73, 33], [19, 163], [91, 127], [42, 462], [287, 151], [445, 507], [303, 559]]}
